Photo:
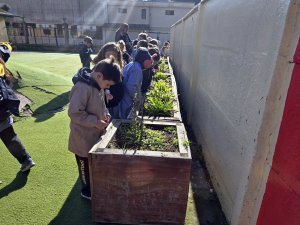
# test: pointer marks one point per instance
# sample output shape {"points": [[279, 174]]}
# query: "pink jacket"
{"points": [[86, 107]]}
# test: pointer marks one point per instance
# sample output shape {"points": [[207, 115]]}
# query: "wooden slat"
{"points": [[139, 189]]}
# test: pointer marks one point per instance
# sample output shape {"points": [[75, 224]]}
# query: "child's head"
{"points": [[142, 36], [154, 52], [154, 42], [122, 46], [142, 43], [143, 57], [107, 72], [88, 41], [107, 50], [134, 43], [5, 50]]}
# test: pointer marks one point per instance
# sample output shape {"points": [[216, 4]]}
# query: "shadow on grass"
{"points": [[48, 110], [76, 210], [18, 183]]}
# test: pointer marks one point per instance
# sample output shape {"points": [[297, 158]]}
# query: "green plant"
{"points": [[160, 100], [186, 143], [163, 67], [153, 138], [160, 76]]}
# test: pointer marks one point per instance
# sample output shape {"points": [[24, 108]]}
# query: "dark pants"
{"points": [[86, 64], [14, 144], [84, 174]]}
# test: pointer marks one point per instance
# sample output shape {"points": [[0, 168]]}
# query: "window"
{"points": [[144, 15], [169, 12], [122, 10]]}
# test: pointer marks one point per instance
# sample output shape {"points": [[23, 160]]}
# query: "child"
{"points": [[85, 51], [126, 57], [133, 76], [88, 113], [148, 73], [110, 48], [115, 92], [7, 133]]}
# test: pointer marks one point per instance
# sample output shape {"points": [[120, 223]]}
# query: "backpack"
{"points": [[8, 99]]}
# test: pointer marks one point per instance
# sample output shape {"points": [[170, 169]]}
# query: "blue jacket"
{"points": [[133, 77], [85, 53]]}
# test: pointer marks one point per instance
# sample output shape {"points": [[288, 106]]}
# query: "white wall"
{"points": [[133, 15], [231, 62], [158, 18]]}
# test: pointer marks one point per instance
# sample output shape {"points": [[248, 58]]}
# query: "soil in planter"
{"points": [[154, 138]]}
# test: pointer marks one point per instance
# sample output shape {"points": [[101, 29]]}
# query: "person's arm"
{"points": [[77, 109], [134, 80]]}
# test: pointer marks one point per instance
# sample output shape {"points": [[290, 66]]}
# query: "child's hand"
{"points": [[108, 96], [101, 124]]}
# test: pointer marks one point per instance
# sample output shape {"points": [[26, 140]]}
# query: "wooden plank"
{"points": [[177, 113], [184, 148], [139, 189]]}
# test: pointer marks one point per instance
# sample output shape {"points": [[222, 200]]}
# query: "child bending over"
{"points": [[88, 114]]}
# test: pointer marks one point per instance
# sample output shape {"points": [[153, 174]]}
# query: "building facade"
{"points": [[53, 22]]}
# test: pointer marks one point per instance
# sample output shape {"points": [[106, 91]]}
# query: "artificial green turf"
{"points": [[50, 193]]}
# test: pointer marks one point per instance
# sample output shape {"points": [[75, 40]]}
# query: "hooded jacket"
{"points": [[86, 107]]}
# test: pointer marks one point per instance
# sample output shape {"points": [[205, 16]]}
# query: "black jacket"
{"points": [[9, 102]]}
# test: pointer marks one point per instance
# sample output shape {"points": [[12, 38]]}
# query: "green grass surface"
{"points": [[49, 194]]}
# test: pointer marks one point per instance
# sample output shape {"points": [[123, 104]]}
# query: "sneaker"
{"points": [[27, 165], [86, 195]]}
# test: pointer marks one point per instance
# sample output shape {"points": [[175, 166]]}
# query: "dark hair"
{"points": [[122, 27], [153, 51], [142, 43], [154, 42], [134, 42], [88, 39], [110, 46], [143, 36], [110, 69]]}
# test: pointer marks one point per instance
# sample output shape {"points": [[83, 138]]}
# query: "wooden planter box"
{"points": [[139, 187]]}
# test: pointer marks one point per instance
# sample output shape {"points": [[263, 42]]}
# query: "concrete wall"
{"points": [[231, 62]]}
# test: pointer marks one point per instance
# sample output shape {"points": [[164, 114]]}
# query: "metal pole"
{"points": [[66, 31], [25, 30], [55, 34]]}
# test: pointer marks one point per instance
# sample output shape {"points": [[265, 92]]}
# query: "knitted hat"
{"points": [[142, 55], [5, 50]]}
